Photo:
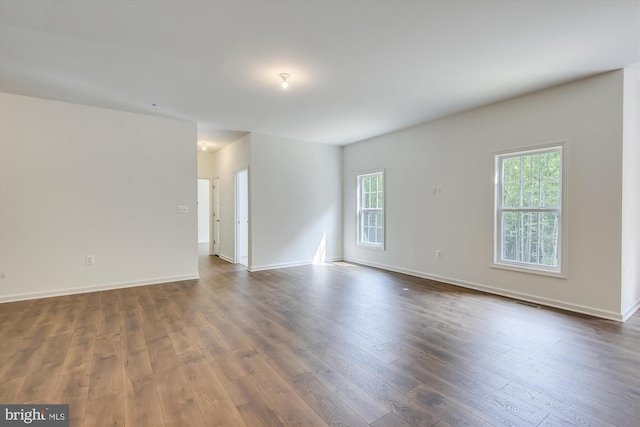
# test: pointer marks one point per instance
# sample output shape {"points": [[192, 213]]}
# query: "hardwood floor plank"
{"points": [[392, 420], [335, 344], [477, 397], [215, 404], [253, 406], [400, 405], [80, 352], [44, 368], [449, 410], [162, 355], [109, 320], [572, 397], [554, 407], [106, 370], [179, 335], [16, 359], [141, 402], [106, 411], [225, 365], [372, 364], [179, 406], [73, 389], [10, 388], [332, 410], [289, 404], [362, 403]]}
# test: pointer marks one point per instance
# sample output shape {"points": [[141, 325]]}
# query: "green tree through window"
{"points": [[529, 208], [371, 209]]}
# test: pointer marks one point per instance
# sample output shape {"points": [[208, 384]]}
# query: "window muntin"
{"points": [[529, 209], [371, 209]]}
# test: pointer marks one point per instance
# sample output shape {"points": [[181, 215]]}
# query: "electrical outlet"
{"points": [[90, 260], [434, 191], [181, 209], [438, 253]]}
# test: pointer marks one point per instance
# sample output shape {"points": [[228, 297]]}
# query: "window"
{"points": [[528, 213], [371, 209]]}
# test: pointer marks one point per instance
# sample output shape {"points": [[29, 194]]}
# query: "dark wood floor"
{"points": [[338, 345]]}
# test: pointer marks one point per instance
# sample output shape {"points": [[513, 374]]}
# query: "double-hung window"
{"points": [[371, 209], [528, 210]]}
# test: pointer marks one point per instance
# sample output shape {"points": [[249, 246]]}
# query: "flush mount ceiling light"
{"points": [[284, 77], [203, 147]]}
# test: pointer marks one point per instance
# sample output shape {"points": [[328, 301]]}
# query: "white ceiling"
{"points": [[358, 68]]}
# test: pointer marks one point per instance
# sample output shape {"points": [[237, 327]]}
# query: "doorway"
{"points": [[204, 207], [242, 217]]}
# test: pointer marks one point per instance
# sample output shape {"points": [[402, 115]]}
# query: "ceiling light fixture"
{"points": [[203, 147], [284, 77]]}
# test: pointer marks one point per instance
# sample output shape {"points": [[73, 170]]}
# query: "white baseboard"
{"points": [[226, 258], [95, 288], [577, 308], [286, 265], [631, 311]]}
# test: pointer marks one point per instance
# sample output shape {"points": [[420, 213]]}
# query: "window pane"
{"points": [[379, 235], [530, 193], [511, 195], [511, 169], [550, 194], [550, 166], [530, 237], [370, 214], [529, 180]]}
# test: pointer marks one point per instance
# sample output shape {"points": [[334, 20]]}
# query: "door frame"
{"points": [[236, 197], [215, 219], [208, 208]]}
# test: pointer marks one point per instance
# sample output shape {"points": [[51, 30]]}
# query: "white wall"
{"points": [[456, 154], [631, 193], [296, 202], [206, 164], [77, 181], [223, 164]]}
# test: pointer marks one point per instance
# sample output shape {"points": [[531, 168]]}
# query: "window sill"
{"points": [[530, 270], [374, 247]]}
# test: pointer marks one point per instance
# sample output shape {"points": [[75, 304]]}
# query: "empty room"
{"points": [[380, 213]]}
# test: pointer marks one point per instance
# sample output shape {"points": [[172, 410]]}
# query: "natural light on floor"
{"points": [[321, 252]]}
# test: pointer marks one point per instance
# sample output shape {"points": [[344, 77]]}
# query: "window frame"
{"points": [[498, 262], [359, 209]]}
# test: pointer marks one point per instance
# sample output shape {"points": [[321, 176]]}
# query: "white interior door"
{"points": [[216, 216], [242, 217]]}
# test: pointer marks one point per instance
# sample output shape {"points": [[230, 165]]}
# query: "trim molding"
{"points": [[631, 311], [577, 308], [288, 264], [226, 258], [95, 288]]}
